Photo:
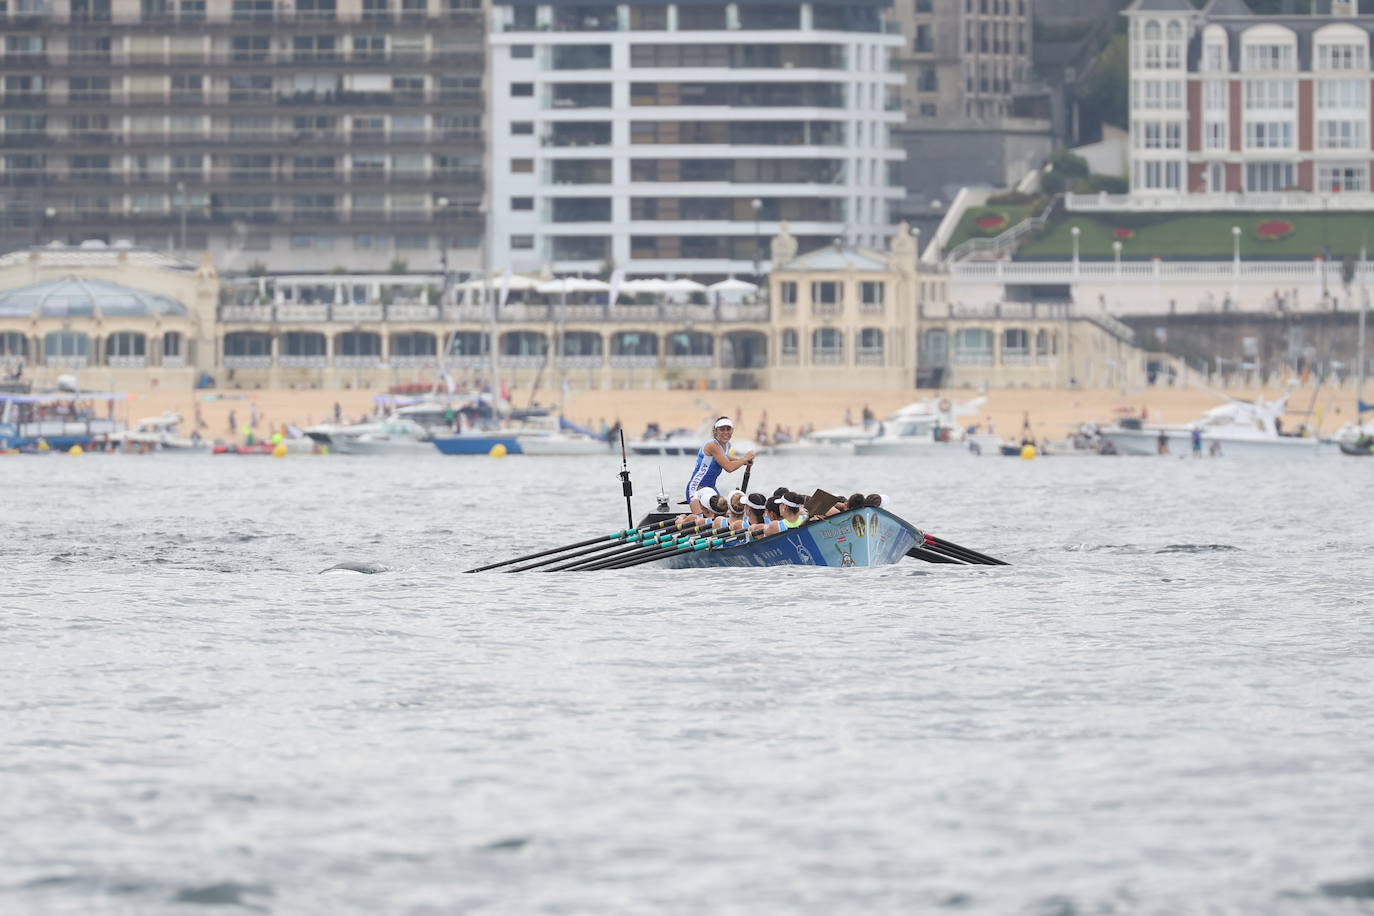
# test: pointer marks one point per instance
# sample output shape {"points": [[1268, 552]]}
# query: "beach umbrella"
{"points": [[517, 282], [684, 286]]}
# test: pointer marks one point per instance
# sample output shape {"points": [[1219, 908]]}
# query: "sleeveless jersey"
{"points": [[705, 472]]}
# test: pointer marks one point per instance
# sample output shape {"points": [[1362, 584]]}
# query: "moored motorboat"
{"points": [[1244, 428]]}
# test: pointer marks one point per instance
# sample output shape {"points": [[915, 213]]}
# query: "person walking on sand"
{"points": [[233, 423], [1197, 441], [1162, 446]]}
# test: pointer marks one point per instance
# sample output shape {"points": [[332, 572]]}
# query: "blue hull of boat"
{"points": [[476, 445], [864, 537]]}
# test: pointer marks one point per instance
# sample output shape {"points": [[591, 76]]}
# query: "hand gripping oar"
{"points": [[650, 543], [614, 536], [632, 541]]}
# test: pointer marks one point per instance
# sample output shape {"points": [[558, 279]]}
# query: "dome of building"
{"points": [[81, 297]]}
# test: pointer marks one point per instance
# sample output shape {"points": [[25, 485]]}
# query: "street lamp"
{"points": [[440, 203], [757, 205], [181, 194], [1116, 254], [1074, 231], [1235, 265]]}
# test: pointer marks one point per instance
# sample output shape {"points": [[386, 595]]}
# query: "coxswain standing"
{"points": [[712, 458]]}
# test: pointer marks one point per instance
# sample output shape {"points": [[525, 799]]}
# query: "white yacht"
{"points": [[927, 426], [1237, 428], [161, 432]]}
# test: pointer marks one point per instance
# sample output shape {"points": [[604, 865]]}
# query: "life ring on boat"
{"points": [[944, 405]]}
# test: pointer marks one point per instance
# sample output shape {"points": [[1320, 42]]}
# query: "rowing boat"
{"points": [[859, 537]]}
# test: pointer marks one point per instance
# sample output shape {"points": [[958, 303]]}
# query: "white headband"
{"points": [[725, 421], [787, 502]]}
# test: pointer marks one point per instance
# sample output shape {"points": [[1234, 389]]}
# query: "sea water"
{"points": [[1164, 705]]}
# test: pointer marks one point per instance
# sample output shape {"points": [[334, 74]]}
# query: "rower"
{"points": [[773, 520], [714, 457], [754, 506], [791, 507], [699, 512], [737, 509]]}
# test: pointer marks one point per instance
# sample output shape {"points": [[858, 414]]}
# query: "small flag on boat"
{"points": [[1365, 407]]}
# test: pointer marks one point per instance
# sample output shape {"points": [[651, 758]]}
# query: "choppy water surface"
{"points": [[1165, 706]]}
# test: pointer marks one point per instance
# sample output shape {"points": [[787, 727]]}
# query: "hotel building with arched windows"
{"points": [[835, 318], [1224, 101]]}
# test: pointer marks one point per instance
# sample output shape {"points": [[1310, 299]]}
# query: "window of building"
{"points": [[1269, 134], [1214, 57], [1351, 94], [1158, 176], [1269, 57], [788, 291], [1341, 134], [521, 128], [973, 347], [1268, 176], [521, 90], [413, 241], [369, 241], [521, 166], [1342, 178], [1341, 57], [827, 345], [521, 52], [871, 292], [522, 242], [522, 203], [789, 343], [1214, 95], [825, 292], [1214, 135], [1270, 94], [1157, 94], [1159, 135], [1216, 177]]}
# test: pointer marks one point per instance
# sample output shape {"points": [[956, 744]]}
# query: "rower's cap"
{"points": [[736, 501], [725, 421], [704, 495]]}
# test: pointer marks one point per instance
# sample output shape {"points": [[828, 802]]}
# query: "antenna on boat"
{"points": [[662, 494], [625, 485]]}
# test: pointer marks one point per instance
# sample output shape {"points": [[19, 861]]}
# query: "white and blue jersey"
{"points": [[706, 471]]}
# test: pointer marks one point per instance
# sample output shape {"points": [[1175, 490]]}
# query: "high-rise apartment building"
{"points": [[676, 138], [1224, 101], [317, 133], [964, 59]]}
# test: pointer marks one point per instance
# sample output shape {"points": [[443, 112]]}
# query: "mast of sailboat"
{"points": [[1359, 348], [489, 299]]}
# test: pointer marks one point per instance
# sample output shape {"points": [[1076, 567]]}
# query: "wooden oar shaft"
{"points": [[610, 560], [552, 550]]}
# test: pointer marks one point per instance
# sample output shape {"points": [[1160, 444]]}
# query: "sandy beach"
{"points": [[1052, 413]]}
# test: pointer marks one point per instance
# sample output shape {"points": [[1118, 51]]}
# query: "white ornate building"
{"points": [[1226, 102]]}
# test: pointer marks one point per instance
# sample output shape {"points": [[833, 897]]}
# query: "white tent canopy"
{"points": [[649, 285], [573, 285], [684, 286], [517, 283], [733, 286]]}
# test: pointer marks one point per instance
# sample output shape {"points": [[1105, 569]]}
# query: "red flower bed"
{"points": [[992, 222], [1120, 233], [1274, 229]]}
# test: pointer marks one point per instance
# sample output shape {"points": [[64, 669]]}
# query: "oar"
{"points": [[672, 550], [614, 536], [633, 541], [930, 556], [652, 544], [949, 548]]}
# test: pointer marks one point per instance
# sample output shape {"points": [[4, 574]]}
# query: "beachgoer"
{"points": [[233, 423], [1197, 442], [714, 457], [868, 416], [1162, 443], [338, 414]]}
